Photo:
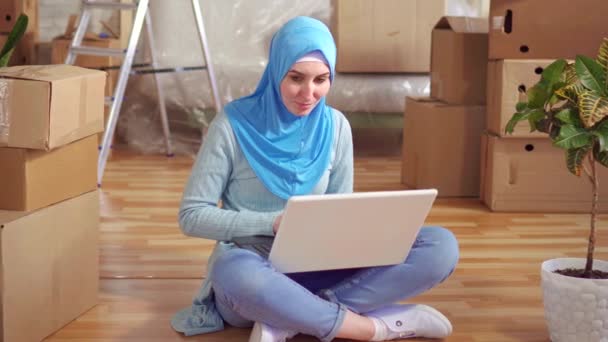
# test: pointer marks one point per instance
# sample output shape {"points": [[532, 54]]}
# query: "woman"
{"points": [[283, 140]]}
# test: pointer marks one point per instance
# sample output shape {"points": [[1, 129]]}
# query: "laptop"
{"points": [[338, 231]]}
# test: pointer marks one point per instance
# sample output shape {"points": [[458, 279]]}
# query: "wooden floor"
{"points": [[149, 270]]}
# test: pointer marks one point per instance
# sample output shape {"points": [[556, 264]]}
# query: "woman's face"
{"points": [[304, 86]]}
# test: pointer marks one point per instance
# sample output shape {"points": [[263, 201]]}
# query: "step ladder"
{"points": [[142, 15]]}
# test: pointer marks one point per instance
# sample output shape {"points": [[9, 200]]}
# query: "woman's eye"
{"points": [[320, 80], [296, 78]]}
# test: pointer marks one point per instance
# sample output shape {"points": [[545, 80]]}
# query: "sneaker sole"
{"points": [[434, 312]]}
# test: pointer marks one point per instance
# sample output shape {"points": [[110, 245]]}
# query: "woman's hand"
{"points": [[277, 223]]}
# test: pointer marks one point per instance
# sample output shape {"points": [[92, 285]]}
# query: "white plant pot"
{"points": [[576, 309]]}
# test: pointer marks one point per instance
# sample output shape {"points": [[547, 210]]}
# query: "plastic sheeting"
{"points": [[239, 34]]}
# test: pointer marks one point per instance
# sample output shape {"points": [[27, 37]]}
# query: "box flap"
{"points": [[48, 73], [463, 24]]}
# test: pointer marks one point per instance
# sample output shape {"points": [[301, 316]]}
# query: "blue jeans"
{"points": [[247, 288]]}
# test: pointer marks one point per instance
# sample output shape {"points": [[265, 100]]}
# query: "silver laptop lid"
{"points": [[323, 232]]}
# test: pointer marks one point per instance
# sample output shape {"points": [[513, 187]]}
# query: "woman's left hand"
{"points": [[277, 223]]}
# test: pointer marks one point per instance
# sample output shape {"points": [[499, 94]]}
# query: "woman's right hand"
{"points": [[276, 224]]}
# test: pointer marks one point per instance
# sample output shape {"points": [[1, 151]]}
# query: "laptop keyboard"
{"points": [[262, 249], [258, 244]]}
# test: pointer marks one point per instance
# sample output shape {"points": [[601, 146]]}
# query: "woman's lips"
{"points": [[304, 105]]}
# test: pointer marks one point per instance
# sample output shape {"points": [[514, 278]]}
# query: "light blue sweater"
{"points": [[221, 172]]}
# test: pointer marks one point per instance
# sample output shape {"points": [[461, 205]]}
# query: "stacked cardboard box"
{"points": [[10, 11], [385, 36], [441, 134], [49, 118], [25, 51], [60, 47], [61, 44], [49, 267], [546, 29], [523, 171]]}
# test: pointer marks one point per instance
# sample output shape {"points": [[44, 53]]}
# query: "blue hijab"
{"points": [[288, 153]]}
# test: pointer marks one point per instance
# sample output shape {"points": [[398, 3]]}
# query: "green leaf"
{"points": [[521, 116], [534, 117], [601, 157], [517, 117], [602, 59], [537, 96], [521, 106], [571, 92], [572, 137], [5, 59], [558, 85], [13, 37], [554, 100], [569, 75], [569, 116], [575, 158], [553, 72], [593, 106], [602, 56], [601, 132], [590, 73]]}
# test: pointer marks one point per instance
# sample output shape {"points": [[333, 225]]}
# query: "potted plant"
{"points": [[13, 37], [570, 104]]}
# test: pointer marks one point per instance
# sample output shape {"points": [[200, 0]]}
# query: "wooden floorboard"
{"points": [[149, 270]]}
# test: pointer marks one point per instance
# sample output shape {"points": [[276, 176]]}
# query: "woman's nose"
{"points": [[307, 90]]}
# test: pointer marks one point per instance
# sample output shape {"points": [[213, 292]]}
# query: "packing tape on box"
{"points": [[4, 111]]}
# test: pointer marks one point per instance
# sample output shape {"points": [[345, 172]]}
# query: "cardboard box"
{"points": [[25, 51], [50, 272], [530, 175], [441, 146], [551, 29], [508, 81], [32, 179], [459, 51], [59, 52], [48, 106], [10, 11], [60, 47], [385, 36]]}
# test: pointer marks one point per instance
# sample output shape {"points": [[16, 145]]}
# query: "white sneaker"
{"points": [[413, 320], [265, 333]]}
